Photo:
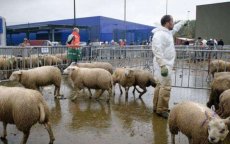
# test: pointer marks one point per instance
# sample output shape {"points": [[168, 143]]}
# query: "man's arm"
{"points": [[157, 48], [178, 26]]}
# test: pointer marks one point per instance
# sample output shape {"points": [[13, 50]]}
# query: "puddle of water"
{"points": [[123, 121]]}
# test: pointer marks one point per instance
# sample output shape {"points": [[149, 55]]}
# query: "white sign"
{"points": [[45, 50]]}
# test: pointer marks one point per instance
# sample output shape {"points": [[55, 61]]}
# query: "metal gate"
{"points": [[190, 70]]}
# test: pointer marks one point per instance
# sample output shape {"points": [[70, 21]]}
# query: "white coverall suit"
{"points": [[164, 55]]}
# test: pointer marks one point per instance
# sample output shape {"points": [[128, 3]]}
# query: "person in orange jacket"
{"points": [[73, 44]]}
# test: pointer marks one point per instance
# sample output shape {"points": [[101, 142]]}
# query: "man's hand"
{"points": [[164, 71]]}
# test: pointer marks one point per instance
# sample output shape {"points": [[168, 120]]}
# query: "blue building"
{"points": [[91, 29]]}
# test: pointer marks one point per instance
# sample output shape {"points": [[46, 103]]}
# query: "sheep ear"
{"points": [[131, 71], [73, 63], [227, 121], [19, 72], [72, 69], [209, 117], [213, 108], [127, 72]]}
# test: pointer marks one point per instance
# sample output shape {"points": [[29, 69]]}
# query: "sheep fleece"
{"points": [[188, 117], [20, 106], [102, 65], [92, 78], [41, 76]]}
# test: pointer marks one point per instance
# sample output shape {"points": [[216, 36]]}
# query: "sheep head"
{"points": [[16, 76], [217, 129], [129, 72], [115, 78], [69, 70]]}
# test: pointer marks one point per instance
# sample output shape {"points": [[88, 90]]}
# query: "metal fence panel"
{"points": [[190, 69]]}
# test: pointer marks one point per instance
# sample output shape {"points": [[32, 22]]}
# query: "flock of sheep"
{"points": [[26, 106], [12, 62], [200, 123]]}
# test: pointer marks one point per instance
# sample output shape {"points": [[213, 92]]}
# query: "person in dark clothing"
{"points": [[210, 42], [186, 42], [221, 42]]}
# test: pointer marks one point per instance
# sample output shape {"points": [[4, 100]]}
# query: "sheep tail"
{"points": [[42, 113], [153, 82]]}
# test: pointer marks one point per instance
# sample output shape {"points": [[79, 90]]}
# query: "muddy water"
{"points": [[123, 121]]}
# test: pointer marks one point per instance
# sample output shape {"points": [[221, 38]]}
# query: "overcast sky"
{"points": [[146, 12]]}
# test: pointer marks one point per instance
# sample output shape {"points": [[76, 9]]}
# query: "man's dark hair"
{"points": [[165, 19]]}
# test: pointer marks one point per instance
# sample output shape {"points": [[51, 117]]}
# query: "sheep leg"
{"points": [[4, 131], [121, 92], [126, 92], [57, 92], [173, 138], [134, 90], [99, 94], [114, 90], [110, 91], [75, 96], [138, 90], [90, 93], [25, 136], [48, 128], [144, 91], [190, 140]]}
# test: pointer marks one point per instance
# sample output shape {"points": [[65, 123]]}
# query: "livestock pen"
{"points": [[191, 69], [123, 121]]}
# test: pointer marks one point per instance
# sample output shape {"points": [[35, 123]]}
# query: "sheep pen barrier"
{"points": [[191, 69]]}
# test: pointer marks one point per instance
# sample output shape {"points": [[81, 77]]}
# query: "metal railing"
{"points": [[190, 70]]}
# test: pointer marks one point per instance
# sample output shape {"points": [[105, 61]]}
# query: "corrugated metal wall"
{"points": [[213, 21]]}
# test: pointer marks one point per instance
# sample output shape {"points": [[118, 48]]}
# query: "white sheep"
{"points": [[124, 77], [7, 63], [224, 105], [41, 76], [28, 62], [143, 79], [63, 57], [95, 78], [51, 60], [219, 66], [199, 123], [102, 65], [24, 108], [220, 83]]}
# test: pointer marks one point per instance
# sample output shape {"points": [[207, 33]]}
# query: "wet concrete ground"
{"points": [[86, 121]]}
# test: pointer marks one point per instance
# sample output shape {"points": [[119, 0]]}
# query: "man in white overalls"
{"points": [[164, 57]]}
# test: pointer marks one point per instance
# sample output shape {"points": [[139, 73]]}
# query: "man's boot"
{"points": [[163, 102]]}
